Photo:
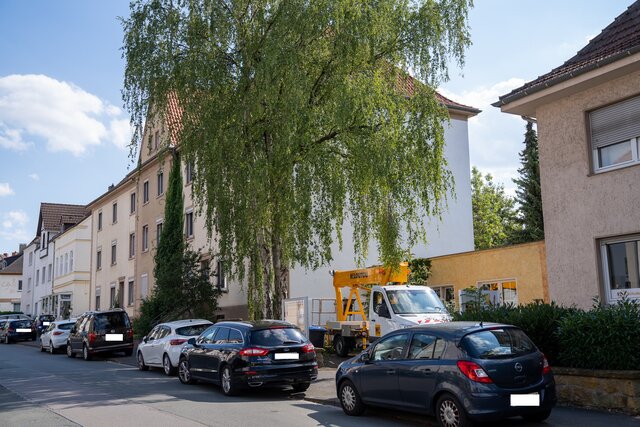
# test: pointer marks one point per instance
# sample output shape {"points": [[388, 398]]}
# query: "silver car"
{"points": [[161, 347], [55, 335]]}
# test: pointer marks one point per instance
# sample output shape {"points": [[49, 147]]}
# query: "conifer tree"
{"points": [[528, 194]]}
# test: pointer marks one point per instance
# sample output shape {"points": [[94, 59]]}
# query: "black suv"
{"points": [[249, 354], [42, 322], [99, 332], [17, 330]]}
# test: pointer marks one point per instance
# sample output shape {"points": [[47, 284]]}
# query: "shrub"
{"points": [[606, 337]]}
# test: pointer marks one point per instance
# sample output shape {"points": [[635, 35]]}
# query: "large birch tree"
{"points": [[298, 115]]}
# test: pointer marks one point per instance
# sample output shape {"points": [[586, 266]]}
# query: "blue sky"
{"points": [[63, 131]]}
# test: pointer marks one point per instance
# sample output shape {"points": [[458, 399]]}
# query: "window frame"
{"points": [[99, 259], [132, 245], [188, 224], [145, 238], [133, 200], [145, 192], [114, 213], [160, 186], [614, 295], [114, 253]]}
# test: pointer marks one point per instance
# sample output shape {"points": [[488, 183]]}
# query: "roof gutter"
{"points": [[507, 99]]}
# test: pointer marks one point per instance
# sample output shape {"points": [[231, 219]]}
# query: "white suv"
{"points": [[161, 347]]}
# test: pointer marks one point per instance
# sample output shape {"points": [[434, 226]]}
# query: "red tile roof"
{"points": [[53, 216], [618, 40]]}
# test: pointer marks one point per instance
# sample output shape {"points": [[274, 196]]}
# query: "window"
{"points": [[158, 232], [615, 135], [113, 253], [99, 221], [130, 294], [30, 258], [133, 202], [44, 274], [501, 292], [66, 263], [115, 213], [380, 305], [621, 267], [221, 276], [144, 285], [445, 293], [188, 173], [160, 183], [496, 343], [37, 277], [112, 297], [132, 245], [145, 238], [235, 337], [19, 285], [98, 297], [157, 140], [50, 272], [29, 283], [425, 346], [392, 348], [188, 224], [99, 260], [70, 261], [145, 192], [16, 306]]}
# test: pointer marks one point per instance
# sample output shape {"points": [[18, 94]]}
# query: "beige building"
{"points": [[588, 117], [11, 283], [72, 270]]}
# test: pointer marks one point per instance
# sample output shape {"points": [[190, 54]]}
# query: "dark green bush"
{"points": [[606, 337], [538, 320]]}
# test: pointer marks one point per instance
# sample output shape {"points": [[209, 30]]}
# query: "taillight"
{"points": [[57, 333], [92, 338], [177, 341], [546, 369], [308, 348], [474, 372], [130, 333], [11, 330], [254, 352]]}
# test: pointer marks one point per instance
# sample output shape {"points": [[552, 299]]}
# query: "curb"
{"points": [[329, 402]]}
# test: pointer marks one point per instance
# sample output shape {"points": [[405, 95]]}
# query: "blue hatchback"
{"points": [[458, 371]]}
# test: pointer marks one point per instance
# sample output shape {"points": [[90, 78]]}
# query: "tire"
{"points": [[450, 413], [350, 399], [70, 352], [229, 387], [141, 365], [184, 372], [128, 352], [301, 387], [168, 368], [538, 416], [85, 353], [42, 349], [52, 349], [7, 340], [340, 346]]}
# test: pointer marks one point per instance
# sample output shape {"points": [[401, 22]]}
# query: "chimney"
{"points": [[111, 187], [23, 246]]}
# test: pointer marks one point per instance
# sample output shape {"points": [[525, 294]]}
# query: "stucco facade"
{"points": [[522, 266], [11, 286], [28, 277], [72, 273]]}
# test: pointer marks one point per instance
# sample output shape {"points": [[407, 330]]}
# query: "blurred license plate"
{"points": [[19, 330], [46, 323], [286, 356], [113, 337], [532, 399]]}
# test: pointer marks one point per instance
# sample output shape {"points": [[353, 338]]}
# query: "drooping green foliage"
{"points": [[528, 193], [298, 114], [494, 214]]}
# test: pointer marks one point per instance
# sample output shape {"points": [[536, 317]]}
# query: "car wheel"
{"points": [[229, 387], [350, 399], [85, 353], [141, 365], [538, 416], [340, 346], [7, 340], [300, 387], [70, 352], [450, 413], [169, 369], [51, 348], [184, 372]]}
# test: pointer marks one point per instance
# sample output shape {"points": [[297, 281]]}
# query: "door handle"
{"points": [[391, 371], [426, 371]]}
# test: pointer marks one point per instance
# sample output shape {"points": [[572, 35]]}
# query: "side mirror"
{"points": [[144, 339], [192, 341], [365, 357], [73, 330]]}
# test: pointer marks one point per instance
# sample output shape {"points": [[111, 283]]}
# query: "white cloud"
{"points": [[495, 138], [5, 189], [65, 116], [14, 225], [120, 133], [34, 176]]}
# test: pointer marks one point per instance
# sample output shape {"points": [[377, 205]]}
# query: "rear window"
{"points": [[105, 321], [498, 344], [276, 336], [192, 330], [22, 324], [66, 326]]}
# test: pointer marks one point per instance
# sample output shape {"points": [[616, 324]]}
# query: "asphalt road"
{"points": [[38, 389]]}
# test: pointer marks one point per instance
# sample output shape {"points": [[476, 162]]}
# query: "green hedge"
{"points": [[605, 337]]}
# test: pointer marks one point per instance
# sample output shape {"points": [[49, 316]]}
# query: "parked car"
{"points": [[17, 330], [459, 371], [43, 321], [100, 332], [162, 346], [249, 354], [4, 317], [55, 336]]}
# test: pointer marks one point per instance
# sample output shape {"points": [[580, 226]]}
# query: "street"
{"points": [[44, 390]]}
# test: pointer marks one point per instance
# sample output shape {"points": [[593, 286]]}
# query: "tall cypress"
{"points": [[528, 193], [168, 258]]}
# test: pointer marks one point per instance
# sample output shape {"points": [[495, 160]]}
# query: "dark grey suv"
{"points": [[99, 332], [458, 371]]}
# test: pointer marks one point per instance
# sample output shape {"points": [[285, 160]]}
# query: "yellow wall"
{"points": [[526, 264]]}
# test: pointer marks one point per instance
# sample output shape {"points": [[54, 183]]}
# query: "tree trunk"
{"points": [[281, 278]]}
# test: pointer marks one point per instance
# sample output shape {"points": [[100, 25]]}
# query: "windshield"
{"points": [[415, 301], [502, 343], [192, 330], [277, 336]]}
